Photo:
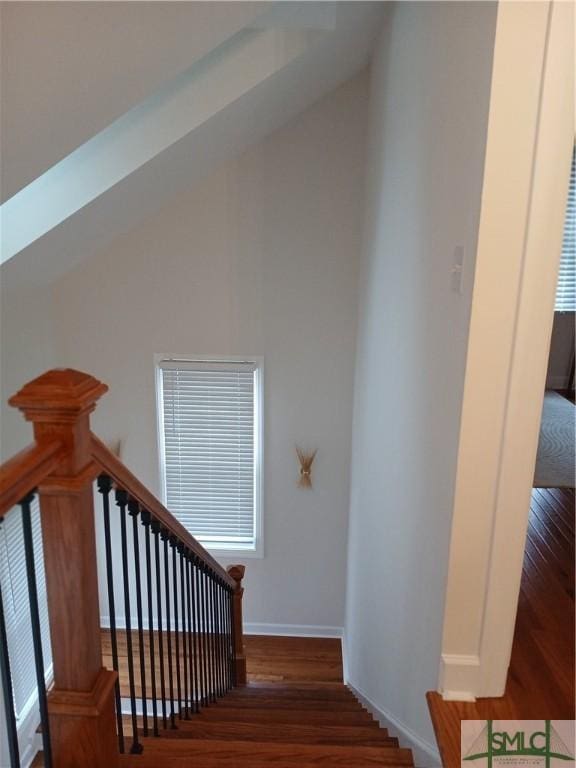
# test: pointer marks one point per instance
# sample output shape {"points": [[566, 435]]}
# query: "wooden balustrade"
{"points": [[62, 464], [113, 467]]}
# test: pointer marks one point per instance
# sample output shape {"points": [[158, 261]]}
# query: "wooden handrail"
{"points": [[26, 470], [113, 467]]}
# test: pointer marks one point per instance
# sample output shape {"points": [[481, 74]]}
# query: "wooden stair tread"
{"points": [[210, 753], [272, 702], [222, 713], [280, 691], [286, 733], [299, 685]]}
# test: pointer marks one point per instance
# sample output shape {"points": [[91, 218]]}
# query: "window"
{"points": [[17, 607], [566, 290], [210, 429]]}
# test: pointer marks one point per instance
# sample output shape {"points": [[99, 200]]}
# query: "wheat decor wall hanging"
{"points": [[305, 460]]}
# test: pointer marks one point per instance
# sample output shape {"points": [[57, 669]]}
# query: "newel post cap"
{"points": [[60, 395], [236, 572]]}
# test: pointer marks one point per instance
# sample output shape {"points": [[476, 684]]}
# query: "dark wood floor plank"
{"points": [[240, 754], [552, 527]]}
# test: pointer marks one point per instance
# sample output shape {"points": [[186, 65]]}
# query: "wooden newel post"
{"points": [[81, 702], [236, 572]]}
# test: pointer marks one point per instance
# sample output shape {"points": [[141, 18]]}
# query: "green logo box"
{"points": [[517, 743]]}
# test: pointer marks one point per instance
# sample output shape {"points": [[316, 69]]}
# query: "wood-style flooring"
{"points": [[271, 659], [541, 675]]}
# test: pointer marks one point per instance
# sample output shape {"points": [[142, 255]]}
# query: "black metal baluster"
{"points": [[184, 633], [218, 638], [122, 501], [201, 646], [205, 649], [233, 633], [209, 618], [165, 535], [104, 487], [225, 625], [227, 622], [134, 511], [227, 599], [229, 613], [216, 589], [156, 531], [36, 629], [6, 678], [146, 518], [193, 631], [196, 631], [224, 599], [173, 542], [214, 634], [223, 634]]}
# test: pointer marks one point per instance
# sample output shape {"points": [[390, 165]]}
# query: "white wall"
{"points": [[428, 114], [26, 348], [260, 258], [25, 352]]}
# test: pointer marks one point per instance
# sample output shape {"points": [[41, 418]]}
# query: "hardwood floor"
{"points": [[541, 675], [273, 659], [294, 659]]}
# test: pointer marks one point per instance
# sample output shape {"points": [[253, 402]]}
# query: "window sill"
{"points": [[255, 553]]}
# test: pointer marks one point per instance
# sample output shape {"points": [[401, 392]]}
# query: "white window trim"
{"points": [[256, 551]]}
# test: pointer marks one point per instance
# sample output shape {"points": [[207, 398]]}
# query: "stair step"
{"points": [[285, 733], [301, 685], [273, 702], [285, 692], [221, 713], [179, 753]]}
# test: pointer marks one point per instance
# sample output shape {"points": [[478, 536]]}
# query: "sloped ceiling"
{"points": [[338, 46], [68, 69]]}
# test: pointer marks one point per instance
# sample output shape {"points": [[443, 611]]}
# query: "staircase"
{"points": [[287, 725], [166, 685]]}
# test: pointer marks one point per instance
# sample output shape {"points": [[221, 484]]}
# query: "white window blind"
{"points": [[210, 446], [566, 289], [17, 607]]}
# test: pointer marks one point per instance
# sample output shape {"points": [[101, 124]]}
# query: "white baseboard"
{"points": [[292, 630], [277, 630], [459, 675], [426, 755]]}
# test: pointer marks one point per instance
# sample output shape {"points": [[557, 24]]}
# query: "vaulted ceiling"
{"points": [[110, 109]]}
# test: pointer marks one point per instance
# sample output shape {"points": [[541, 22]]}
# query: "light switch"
{"points": [[458, 270]]}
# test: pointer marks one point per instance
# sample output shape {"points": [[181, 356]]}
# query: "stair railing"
{"points": [[183, 648]]}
